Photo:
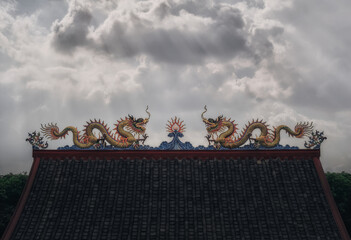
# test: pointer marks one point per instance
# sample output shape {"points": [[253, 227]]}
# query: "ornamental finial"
{"points": [[315, 140], [36, 140], [175, 125]]}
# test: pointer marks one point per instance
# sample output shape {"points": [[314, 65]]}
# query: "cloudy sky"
{"points": [[68, 61]]}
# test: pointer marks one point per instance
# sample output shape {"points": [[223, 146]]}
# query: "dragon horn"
{"points": [[147, 107], [202, 115]]}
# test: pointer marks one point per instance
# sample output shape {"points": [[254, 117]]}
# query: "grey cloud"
{"points": [[226, 37], [318, 57], [162, 10], [117, 42], [230, 18], [73, 33], [245, 72], [47, 10], [313, 63], [261, 45], [256, 3], [260, 4], [332, 95], [7, 102], [204, 8], [24, 7], [187, 89], [185, 47], [173, 46], [15, 119], [6, 61]]}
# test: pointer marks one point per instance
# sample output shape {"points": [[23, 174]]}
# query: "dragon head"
{"points": [[212, 125], [137, 124]]}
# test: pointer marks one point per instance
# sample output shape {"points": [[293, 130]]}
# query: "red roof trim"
{"points": [[335, 211], [186, 154], [20, 205]]}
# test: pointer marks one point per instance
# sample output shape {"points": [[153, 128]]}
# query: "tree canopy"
{"points": [[11, 186], [340, 185]]}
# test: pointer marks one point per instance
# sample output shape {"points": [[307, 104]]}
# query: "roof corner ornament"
{"points": [[36, 140], [315, 140], [129, 132], [223, 132]]}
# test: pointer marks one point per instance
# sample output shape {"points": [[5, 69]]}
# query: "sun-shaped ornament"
{"points": [[175, 125]]}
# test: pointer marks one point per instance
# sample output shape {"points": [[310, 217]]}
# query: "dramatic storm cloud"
{"points": [[69, 61]]}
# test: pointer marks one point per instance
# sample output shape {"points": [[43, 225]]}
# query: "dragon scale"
{"points": [[229, 138], [127, 132]]}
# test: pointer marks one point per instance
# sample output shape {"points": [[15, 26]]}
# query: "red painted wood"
{"points": [[335, 211], [20, 205], [183, 154]]}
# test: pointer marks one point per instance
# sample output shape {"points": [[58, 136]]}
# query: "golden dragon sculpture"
{"points": [[229, 138], [128, 132]]}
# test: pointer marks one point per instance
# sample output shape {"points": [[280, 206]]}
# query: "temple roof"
{"points": [[176, 195]]}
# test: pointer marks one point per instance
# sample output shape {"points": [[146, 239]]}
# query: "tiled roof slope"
{"points": [[169, 198]]}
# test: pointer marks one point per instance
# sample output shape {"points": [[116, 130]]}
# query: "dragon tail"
{"points": [[52, 131], [303, 129]]}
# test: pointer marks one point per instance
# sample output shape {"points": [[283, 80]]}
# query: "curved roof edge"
{"points": [[328, 194], [21, 202]]}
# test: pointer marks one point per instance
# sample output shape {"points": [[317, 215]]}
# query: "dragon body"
{"points": [[223, 132], [128, 132]]}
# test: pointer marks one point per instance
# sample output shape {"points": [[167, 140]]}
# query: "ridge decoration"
{"points": [[222, 132], [175, 125], [128, 132], [315, 140], [176, 128], [36, 140]]}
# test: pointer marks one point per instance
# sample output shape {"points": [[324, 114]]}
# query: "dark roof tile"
{"points": [[176, 199]]}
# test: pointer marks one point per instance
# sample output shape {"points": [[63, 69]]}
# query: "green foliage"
{"points": [[11, 186], [340, 185]]}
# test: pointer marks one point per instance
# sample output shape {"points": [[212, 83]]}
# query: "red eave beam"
{"points": [[182, 154]]}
